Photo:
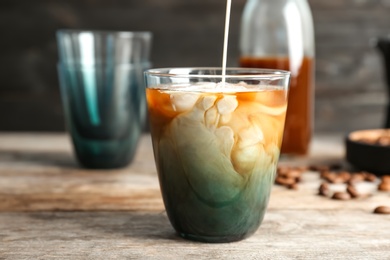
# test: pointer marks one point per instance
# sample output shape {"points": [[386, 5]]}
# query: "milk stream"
{"points": [[225, 41]]}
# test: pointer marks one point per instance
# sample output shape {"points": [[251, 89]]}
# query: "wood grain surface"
{"points": [[284, 234], [39, 172], [52, 209]]}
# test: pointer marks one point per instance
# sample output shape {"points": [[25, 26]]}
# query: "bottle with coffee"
{"points": [[279, 34]]}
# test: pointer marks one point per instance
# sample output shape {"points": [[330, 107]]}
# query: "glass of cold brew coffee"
{"points": [[216, 141]]}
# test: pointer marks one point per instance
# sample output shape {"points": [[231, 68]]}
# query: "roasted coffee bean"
{"points": [[382, 210], [367, 140], [339, 179], [383, 140], [302, 168], [328, 176], [283, 169], [284, 181], [384, 186], [293, 186], [324, 189], [333, 177], [345, 176], [341, 196], [319, 168], [385, 178], [282, 174], [294, 174], [369, 177], [335, 166], [352, 191], [286, 173], [356, 177], [324, 174]]}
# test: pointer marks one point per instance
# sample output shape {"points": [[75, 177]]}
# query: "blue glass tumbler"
{"points": [[102, 89]]}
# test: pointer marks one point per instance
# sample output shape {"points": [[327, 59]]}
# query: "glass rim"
{"points": [[125, 34], [104, 65], [184, 72]]}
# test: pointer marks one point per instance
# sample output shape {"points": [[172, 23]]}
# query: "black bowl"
{"points": [[368, 156]]}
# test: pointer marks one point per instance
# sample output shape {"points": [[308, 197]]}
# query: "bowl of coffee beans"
{"points": [[369, 150]]}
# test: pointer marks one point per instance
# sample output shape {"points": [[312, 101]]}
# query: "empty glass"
{"points": [[102, 88]]}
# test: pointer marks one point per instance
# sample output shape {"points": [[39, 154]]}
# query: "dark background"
{"points": [[350, 88]]}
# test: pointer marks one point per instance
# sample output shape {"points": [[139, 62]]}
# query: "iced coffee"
{"points": [[216, 148]]}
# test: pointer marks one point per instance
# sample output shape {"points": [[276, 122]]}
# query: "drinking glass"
{"points": [[103, 94], [216, 142]]}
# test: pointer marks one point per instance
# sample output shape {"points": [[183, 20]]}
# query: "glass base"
{"points": [[214, 239], [102, 164], [105, 153]]}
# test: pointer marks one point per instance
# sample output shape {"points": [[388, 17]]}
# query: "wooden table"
{"points": [[52, 209]]}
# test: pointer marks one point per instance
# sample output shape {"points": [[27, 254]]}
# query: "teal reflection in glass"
{"points": [[105, 111]]}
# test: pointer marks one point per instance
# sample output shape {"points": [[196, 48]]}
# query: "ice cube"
{"points": [[225, 136], [225, 119], [275, 111], [208, 102], [211, 118], [184, 101], [227, 87], [227, 104], [250, 136], [244, 160]]}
